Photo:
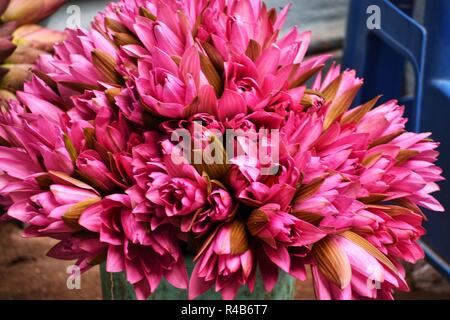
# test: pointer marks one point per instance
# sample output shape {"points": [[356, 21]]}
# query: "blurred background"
{"points": [[25, 271]]}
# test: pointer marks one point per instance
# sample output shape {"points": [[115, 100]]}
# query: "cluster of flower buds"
{"points": [[87, 156], [22, 41]]}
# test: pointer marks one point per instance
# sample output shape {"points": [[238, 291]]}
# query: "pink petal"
{"points": [[230, 105], [279, 256], [197, 285], [114, 260], [269, 272], [177, 275], [91, 218], [40, 107]]}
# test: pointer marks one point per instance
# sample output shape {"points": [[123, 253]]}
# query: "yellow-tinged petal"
{"points": [[146, 13], [358, 113], [74, 213], [215, 167], [306, 191], [373, 198], [371, 159], [405, 155], [30, 11], [302, 79], [311, 217], [63, 178], [257, 221], [70, 148], [38, 37], [366, 245], [7, 95], [106, 65], [211, 74], [394, 211], [253, 50], [15, 76], [340, 105], [333, 262], [385, 139], [405, 202], [238, 237], [24, 54], [115, 25], [123, 39], [331, 90], [214, 56]]}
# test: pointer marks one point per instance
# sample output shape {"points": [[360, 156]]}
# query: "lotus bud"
{"points": [[4, 5], [115, 26], [37, 37], [106, 65], [26, 11], [123, 39], [15, 76], [24, 55], [73, 214], [94, 170], [7, 29], [120, 33], [146, 13], [6, 95], [257, 222], [6, 48]]}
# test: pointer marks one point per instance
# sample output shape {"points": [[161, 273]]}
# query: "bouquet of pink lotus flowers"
{"points": [[192, 127]]}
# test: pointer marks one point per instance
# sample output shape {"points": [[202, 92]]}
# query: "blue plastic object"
{"points": [[380, 56], [436, 118]]}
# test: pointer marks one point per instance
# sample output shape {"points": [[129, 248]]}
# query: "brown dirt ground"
{"points": [[27, 273]]}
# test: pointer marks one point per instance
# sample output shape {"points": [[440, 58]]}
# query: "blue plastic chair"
{"points": [[380, 56]]}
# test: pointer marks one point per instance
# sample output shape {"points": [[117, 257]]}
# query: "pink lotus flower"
{"points": [[181, 191], [225, 262], [144, 257], [35, 36], [92, 167], [359, 276], [90, 147], [179, 196], [113, 135], [221, 207], [55, 213], [396, 234], [50, 213], [161, 88], [284, 239]]}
